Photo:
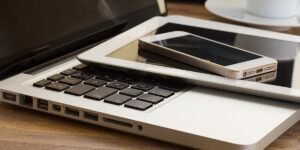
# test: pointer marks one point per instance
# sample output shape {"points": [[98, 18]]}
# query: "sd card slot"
{"points": [[116, 122]]}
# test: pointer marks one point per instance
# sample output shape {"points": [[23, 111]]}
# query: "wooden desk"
{"points": [[26, 129]]}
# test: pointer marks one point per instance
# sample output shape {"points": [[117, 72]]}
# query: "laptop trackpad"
{"points": [[226, 116]]}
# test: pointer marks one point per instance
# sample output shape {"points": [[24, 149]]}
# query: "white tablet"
{"points": [[122, 52]]}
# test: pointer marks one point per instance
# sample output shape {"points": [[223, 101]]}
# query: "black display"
{"points": [[207, 50], [34, 27]]}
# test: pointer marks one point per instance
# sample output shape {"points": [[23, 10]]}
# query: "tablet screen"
{"points": [[285, 52]]}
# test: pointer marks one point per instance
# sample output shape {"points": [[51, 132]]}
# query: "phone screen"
{"points": [[208, 50]]}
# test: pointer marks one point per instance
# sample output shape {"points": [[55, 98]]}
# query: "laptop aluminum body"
{"points": [[196, 117]]}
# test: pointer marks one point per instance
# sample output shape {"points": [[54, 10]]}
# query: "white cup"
{"points": [[273, 8]]}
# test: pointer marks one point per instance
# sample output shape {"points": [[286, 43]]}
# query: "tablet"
{"points": [[122, 52]]}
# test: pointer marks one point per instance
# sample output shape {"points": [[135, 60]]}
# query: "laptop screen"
{"points": [[32, 27]]}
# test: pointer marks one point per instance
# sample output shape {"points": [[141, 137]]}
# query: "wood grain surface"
{"points": [[22, 129]]}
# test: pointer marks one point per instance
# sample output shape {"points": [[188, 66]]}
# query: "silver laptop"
{"points": [[39, 71]]}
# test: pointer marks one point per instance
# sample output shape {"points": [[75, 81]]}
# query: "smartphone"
{"points": [[156, 59], [207, 54]]}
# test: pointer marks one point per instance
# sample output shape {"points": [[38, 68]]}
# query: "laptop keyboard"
{"points": [[116, 88]]}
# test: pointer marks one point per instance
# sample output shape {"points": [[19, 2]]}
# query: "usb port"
{"points": [[56, 108], [26, 101], [90, 116], [10, 97], [71, 111], [259, 70], [42, 104]]}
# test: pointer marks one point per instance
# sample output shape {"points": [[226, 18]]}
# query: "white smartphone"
{"points": [[222, 59]]}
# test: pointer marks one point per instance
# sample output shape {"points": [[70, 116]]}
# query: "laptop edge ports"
{"points": [[116, 122], [26, 100], [56, 108], [42, 104], [90, 116], [9, 97], [72, 111]]}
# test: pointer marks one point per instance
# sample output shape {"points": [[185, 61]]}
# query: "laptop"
{"points": [[39, 70]]}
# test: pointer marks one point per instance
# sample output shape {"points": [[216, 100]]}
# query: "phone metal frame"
{"points": [[98, 55]]}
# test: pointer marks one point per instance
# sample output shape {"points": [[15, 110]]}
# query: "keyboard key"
{"points": [[130, 79], [100, 93], [153, 81], [173, 86], [142, 86], [80, 67], [69, 72], [117, 99], [56, 77], [79, 90], [106, 76], [90, 70], [57, 86], [95, 82], [81, 75], [161, 92], [70, 81], [131, 92], [117, 85], [150, 98], [42, 83], [139, 105]]}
